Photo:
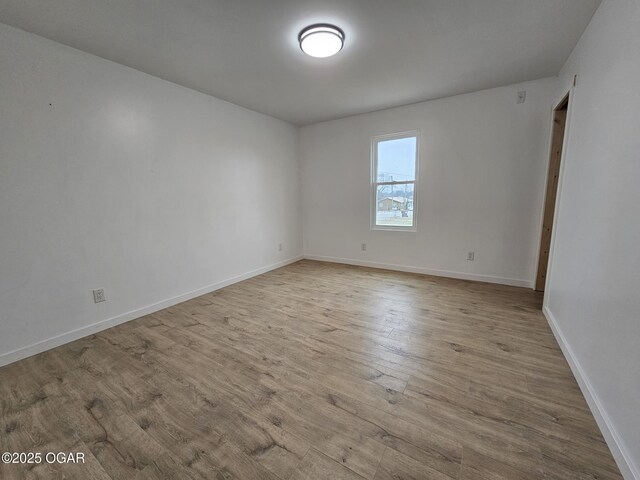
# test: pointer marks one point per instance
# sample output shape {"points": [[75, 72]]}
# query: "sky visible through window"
{"points": [[397, 159]]}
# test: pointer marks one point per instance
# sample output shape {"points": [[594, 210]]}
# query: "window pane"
{"points": [[394, 205], [397, 160]]}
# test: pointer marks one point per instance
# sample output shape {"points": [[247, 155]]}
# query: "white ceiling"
{"points": [[245, 51]]}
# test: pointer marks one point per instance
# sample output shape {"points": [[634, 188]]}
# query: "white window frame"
{"points": [[375, 183]]}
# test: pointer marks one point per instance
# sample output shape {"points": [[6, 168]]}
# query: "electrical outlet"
{"points": [[279, 247], [471, 256], [522, 97], [364, 247], [98, 296]]}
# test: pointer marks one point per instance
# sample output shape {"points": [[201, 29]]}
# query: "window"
{"points": [[394, 168]]}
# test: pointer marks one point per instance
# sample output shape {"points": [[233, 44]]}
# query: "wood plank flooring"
{"points": [[312, 371]]}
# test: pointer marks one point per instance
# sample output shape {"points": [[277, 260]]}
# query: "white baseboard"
{"points": [[425, 271], [618, 449], [67, 337]]}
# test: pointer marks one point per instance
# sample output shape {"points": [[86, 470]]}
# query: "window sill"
{"points": [[395, 229]]}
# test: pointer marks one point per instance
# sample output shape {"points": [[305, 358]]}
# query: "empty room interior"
{"points": [[320, 239]]}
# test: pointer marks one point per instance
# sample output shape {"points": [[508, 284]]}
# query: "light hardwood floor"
{"points": [[312, 371]]}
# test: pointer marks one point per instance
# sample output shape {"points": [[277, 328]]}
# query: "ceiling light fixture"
{"points": [[321, 40]]}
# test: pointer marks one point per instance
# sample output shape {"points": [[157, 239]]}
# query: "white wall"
{"points": [[483, 161], [594, 279], [111, 178]]}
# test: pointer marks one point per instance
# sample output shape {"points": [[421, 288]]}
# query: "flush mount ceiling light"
{"points": [[321, 40]]}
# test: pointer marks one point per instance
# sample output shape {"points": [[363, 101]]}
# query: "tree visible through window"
{"points": [[394, 168]]}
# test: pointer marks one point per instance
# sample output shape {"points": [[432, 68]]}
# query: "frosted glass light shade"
{"points": [[321, 40]]}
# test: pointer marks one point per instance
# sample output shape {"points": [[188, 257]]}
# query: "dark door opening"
{"points": [[555, 157]]}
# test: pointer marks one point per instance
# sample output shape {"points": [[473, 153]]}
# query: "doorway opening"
{"points": [[555, 157]]}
